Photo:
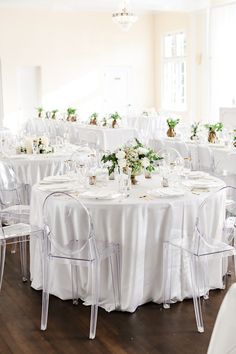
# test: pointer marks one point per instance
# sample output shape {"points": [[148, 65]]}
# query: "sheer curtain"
{"points": [[223, 58]]}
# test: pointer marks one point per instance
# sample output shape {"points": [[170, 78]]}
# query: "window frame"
{"points": [[174, 59]]}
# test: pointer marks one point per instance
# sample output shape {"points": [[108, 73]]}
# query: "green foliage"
{"points": [[194, 128], [217, 127], [94, 116], [71, 111], [115, 116], [172, 123], [134, 155]]}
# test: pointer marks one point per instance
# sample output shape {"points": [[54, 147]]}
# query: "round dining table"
{"points": [[139, 222]]}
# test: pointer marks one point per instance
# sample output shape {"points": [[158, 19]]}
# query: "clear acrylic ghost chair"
{"points": [[91, 139], [225, 168], [172, 158], [77, 247], [12, 194], [144, 129], [206, 159], [157, 144], [12, 234], [211, 240]]}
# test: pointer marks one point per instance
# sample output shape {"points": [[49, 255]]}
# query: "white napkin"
{"points": [[197, 174], [166, 192], [100, 194], [56, 179], [203, 183]]}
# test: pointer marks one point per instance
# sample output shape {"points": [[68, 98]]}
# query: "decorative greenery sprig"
{"points": [[115, 116], [194, 129], [217, 127], [172, 123], [71, 111], [54, 112]]}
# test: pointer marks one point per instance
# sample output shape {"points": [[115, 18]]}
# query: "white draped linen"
{"points": [[139, 224], [75, 133]]}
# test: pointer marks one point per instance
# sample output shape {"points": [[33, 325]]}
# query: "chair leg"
{"points": [[74, 278], [167, 274], [114, 260], [95, 272], [2, 261], [23, 258], [196, 294], [13, 248], [45, 294]]}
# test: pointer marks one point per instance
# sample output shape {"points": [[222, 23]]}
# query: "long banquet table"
{"points": [[139, 224], [75, 132]]}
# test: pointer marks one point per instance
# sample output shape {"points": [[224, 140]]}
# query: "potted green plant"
{"points": [[54, 113], [93, 119], [71, 114], [194, 131], [104, 122], [115, 117], [40, 112], [171, 124], [234, 138], [212, 130]]}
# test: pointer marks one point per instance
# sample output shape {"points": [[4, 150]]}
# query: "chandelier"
{"points": [[124, 18]]}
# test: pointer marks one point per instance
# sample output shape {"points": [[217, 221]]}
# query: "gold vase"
{"points": [[114, 123], [171, 132], [212, 137], [148, 175], [133, 180]]}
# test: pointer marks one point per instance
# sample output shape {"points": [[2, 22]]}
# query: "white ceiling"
{"points": [[109, 5]]}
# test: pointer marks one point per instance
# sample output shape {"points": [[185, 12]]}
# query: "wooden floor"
{"points": [[149, 330]]}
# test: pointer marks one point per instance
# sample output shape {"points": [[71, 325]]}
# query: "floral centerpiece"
{"points": [[194, 131], [93, 119], [212, 130], [132, 159], [35, 145], [171, 124], [115, 117]]}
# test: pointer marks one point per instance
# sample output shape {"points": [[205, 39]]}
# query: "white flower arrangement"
{"points": [[135, 157], [38, 145]]}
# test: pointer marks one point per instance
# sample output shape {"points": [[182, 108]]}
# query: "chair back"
{"points": [[9, 187], [172, 158], [205, 157], [68, 227], [216, 220]]}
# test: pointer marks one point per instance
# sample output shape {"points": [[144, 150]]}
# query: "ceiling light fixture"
{"points": [[124, 18]]}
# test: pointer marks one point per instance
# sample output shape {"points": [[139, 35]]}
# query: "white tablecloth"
{"points": [[108, 138], [139, 226]]}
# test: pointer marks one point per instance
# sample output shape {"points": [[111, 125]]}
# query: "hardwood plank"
{"points": [[149, 330]]}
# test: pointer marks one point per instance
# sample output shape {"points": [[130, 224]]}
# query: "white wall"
{"points": [[73, 49]]}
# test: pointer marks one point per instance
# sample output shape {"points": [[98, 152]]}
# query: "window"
{"points": [[174, 71]]}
